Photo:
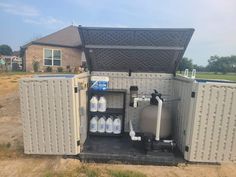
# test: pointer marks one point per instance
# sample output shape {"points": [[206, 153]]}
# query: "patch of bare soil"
{"points": [[14, 163], [10, 124]]}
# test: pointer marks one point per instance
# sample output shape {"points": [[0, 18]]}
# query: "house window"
{"points": [[52, 57]]}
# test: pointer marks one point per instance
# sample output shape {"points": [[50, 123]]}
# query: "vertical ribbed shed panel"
{"points": [[212, 132], [182, 90], [205, 121], [50, 117]]}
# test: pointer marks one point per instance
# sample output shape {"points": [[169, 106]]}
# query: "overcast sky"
{"points": [[214, 20]]}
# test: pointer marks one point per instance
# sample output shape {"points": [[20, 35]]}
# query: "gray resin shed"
{"points": [[55, 113]]}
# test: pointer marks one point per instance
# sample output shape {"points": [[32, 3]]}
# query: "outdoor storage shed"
{"points": [[56, 115]]}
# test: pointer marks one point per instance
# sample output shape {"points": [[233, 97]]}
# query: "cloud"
{"points": [[44, 21], [19, 9], [30, 14]]}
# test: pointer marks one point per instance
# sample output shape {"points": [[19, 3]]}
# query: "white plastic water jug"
{"points": [[94, 104], [109, 125], [93, 127], [117, 125], [102, 104], [101, 124]]}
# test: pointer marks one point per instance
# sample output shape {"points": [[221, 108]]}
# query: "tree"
{"points": [[232, 63], [222, 64], [22, 52], [213, 64], [185, 64], [199, 67], [5, 49]]}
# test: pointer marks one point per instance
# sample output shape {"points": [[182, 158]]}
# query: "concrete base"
{"points": [[123, 150]]}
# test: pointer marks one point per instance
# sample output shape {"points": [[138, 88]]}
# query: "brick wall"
{"points": [[70, 56]]}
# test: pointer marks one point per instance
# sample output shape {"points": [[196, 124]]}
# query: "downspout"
{"points": [[158, 125]]}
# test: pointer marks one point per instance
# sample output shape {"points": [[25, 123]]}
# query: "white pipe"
{"points": [[139, 99], [132, 133], [158, 125]]}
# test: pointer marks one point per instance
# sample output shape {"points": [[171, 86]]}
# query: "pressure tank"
{"points": [[148, 120]]}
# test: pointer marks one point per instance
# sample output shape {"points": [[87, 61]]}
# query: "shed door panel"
{"points": [[50, 116], [213, 129]]}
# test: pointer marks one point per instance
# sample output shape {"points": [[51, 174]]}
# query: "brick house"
{"points": [[59, 49]]}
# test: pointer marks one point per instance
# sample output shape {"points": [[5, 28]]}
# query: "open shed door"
{"points": [[211, 132], [50, 115], [157, 50]]}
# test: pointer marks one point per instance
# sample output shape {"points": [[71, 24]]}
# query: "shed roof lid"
{"points": [[134, 49]]}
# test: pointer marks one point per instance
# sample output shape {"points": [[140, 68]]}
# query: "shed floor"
{"points": [[122, 149]]}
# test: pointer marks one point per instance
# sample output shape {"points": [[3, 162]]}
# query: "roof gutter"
{"points": [[56, 45]]}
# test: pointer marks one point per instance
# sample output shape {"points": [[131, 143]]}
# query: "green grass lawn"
{"points": [[211, 75], [228, 76]]}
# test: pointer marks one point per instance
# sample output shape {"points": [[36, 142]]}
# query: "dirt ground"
{"points": [[14, 163]]}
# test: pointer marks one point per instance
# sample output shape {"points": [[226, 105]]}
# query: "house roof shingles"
{"points": [[66, 37]]}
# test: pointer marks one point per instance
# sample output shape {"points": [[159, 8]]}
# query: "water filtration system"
{"points": [[131, 106]]}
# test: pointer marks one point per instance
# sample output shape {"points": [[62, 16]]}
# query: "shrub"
{"points": [[59, 69], [48, 69], [35, 66], [76, 69], [68, 68]]}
